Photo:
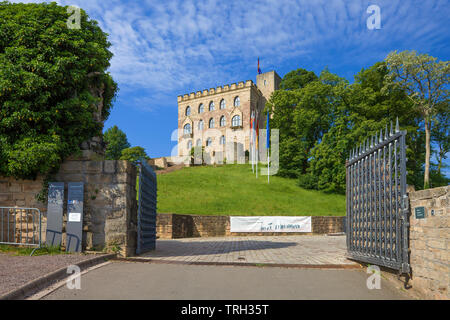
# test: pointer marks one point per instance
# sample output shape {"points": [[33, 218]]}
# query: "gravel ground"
{"points": [[15, 271]]}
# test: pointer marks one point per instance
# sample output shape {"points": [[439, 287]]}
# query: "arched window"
{"points": [[222, 121], [236, 121], [222, 104], [201, 108], [222, 140], [208, 142], [199, 142], [200, 125], [187, 129], [188, 111], [211, 123], [237, 102], [211, 106], [189, 145]]}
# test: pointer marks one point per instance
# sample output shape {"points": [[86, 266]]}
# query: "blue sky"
{"points": [[163, 49]]}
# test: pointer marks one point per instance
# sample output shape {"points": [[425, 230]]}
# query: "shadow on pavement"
{"points": [[170, 248]]}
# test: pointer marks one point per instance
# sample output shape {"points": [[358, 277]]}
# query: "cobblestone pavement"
{"points": [[300, 250]]}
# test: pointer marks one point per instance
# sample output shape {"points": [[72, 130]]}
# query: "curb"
{"points": [[243, 264], [41, 283]]}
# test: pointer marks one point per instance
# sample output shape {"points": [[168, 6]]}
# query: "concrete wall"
{"points": [[430, 243], [110, 206], [173, 226]]}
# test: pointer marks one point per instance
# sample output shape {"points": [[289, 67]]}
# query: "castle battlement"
{"points": [[213, 91]]}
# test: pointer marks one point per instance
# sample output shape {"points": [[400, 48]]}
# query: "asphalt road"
{"points": [[132, 280]]}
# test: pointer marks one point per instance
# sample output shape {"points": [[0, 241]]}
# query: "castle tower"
{"points": [[267, 83], [218, 119]]}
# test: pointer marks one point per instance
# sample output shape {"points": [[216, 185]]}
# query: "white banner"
{"points": [[270, 224]]}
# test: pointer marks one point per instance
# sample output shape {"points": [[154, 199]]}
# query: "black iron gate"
{"points": [[377, 202], [146, 229]]}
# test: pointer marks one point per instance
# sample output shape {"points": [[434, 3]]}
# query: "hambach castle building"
{"points": [[219, 118]]}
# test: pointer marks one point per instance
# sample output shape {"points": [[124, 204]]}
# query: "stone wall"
{"points": [[110, 206], [430, 243], [173, 226]]}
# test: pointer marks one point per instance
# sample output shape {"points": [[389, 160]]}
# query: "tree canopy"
{"points": [[322, 119], [133, 154], [426, 81], [48, 76], [116, 141]]}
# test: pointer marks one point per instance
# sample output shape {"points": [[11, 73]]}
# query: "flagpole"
{"points": [[268, 146], [251, 143], [257, 145]]}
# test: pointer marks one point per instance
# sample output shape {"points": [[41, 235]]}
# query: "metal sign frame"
{"points": [[74, 227], [55, 206]]}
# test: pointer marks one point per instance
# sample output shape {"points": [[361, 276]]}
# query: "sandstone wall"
{"points": [[430, 243], [110, 206], [173, 226]]}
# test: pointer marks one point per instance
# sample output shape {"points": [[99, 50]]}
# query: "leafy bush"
{"points": [[133, 154], [48, 78]]}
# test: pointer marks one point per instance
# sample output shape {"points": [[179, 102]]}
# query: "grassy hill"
{"points": [[234, 190]]}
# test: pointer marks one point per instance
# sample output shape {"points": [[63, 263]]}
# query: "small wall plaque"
{"points": [[420, 212]]}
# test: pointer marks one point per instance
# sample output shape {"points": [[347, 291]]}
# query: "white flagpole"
{"points": [[252, 156], [256, 148]]}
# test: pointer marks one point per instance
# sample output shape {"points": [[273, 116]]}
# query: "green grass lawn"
{"points": [[26, 251], [234, 190]]}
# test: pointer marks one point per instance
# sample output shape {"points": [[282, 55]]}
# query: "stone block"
{"points": [[15, 187], [99, 178], [438, 192], [5, 197], [71, 167], [4, 187], [109, 166], [115, 239], [33, 186], [93, 166], [123, 178], [115, 226], [18, 196], [123, 166]]}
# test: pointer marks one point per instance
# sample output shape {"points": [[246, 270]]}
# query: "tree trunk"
{"points": [[426, 181]]}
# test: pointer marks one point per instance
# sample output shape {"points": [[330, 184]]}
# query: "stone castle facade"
{"points": [[218, 119]]}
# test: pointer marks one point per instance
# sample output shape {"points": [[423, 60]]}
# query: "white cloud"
{"points": [[166, 46]]}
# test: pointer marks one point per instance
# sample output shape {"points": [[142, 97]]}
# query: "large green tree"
{"points": [[116, 141], [134, 154], [49, 77], [321, 121], [298, 122], [426, 81], [363, 109], [297, 79]]}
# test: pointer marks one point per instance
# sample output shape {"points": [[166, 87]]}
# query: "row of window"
{"points": [[201, 107], [235, 122], [208, 142]]}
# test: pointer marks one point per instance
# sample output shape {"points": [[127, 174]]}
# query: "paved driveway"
{"points": [[285, 250], [130, 280]]}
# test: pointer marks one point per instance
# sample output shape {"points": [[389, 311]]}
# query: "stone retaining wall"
{"points": [[430, 243], [174, 226], [110, 206]]}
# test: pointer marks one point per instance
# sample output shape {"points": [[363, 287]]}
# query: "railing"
{"points": [[377, 206], [21, 226], [146, 218]]}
